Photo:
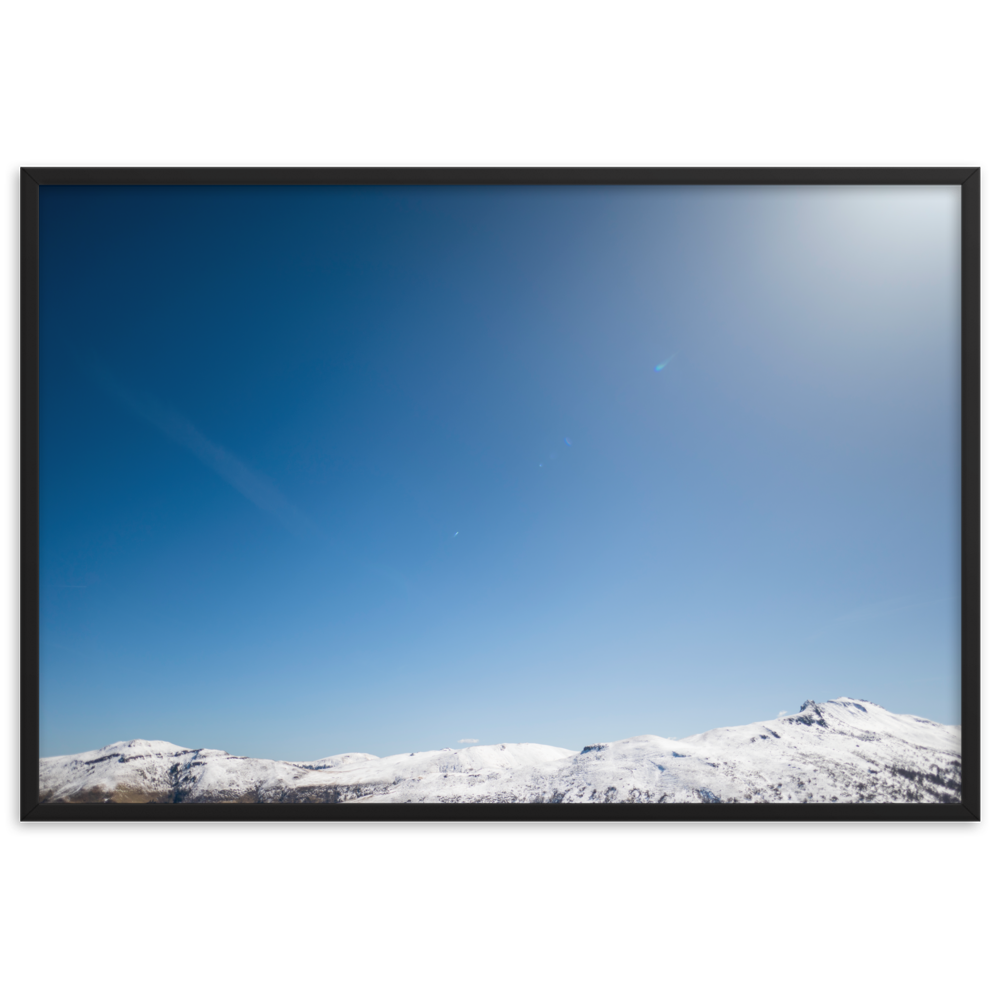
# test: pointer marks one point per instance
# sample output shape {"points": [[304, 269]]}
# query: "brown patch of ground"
{"points": [[123, 793]]}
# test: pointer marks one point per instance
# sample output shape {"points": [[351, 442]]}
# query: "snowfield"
{"points": [[845, 750]]}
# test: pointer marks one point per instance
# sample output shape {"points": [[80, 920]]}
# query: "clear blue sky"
{"points": [[379, 469]]}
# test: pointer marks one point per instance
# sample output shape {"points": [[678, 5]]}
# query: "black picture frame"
{"points": [[968, 178]]}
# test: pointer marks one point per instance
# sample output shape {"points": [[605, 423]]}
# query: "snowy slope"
{"points": [[846, 750]]}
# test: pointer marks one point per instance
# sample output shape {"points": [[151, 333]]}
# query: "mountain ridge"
{"points": [[843, 750]]}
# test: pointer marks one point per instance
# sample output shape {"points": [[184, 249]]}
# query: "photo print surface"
{"points": [[499, 494]]}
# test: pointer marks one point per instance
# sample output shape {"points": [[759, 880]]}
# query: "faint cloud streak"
{"points": [[872, 612], [867, 612], [253, 485]]}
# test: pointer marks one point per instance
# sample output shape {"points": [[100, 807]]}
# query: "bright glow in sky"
{"points": [[387, 469]]}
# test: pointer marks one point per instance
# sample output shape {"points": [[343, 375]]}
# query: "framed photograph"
{"points": [[500, 494]]}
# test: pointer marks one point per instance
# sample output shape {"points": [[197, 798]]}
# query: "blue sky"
{"points": [[384, 468]]}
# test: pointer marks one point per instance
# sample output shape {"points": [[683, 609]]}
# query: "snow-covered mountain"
{"points": [[845, 750]]}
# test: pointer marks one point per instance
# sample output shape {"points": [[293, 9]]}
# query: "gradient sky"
{"points": [[384, 468]]}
